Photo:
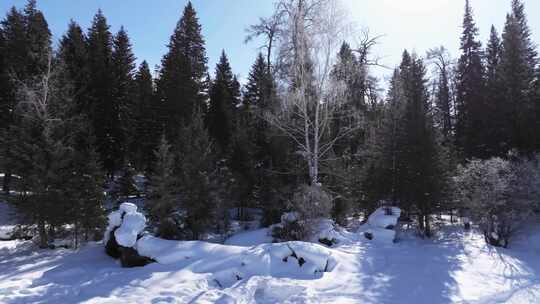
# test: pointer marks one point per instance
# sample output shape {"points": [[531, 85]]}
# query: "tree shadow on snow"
{"points": [[75, 277], [412, 271]]}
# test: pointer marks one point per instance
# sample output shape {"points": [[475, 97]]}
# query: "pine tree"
{"points": [[220, 118], [123, 122], [470, 124], [103, 112], [181, 82], [517, 73]]}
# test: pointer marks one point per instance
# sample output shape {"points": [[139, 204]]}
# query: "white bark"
{"points": [[313, 33]]}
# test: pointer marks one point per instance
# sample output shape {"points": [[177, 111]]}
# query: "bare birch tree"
{"points": [[312, 33]]}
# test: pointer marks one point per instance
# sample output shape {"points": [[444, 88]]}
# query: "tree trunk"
{"points": [[42, 230], [427, 227], [7, 181]]}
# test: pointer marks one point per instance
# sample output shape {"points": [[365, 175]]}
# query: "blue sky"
{"points": [[412, 24], [150, 24]]}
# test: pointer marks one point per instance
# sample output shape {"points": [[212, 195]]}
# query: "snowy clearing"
{"points": [[455, 268]]}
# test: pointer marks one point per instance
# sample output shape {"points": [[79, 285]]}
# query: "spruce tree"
{"points": [[38, 39], [146, 114], [471, 123], [496, 109], [41, 154], [201, 191], [407, 163], [162, 203], [220, 118], [73, 55], [26, 50], [84, 186], [384, 155], [443, 95], [103, 112], [181, 81], [259, 101], [422, 168], [517, 73], [257, 91], [123, 122]]}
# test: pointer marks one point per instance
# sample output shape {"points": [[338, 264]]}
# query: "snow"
{"points": [[379, 218], [130, 224], [128, 208], [377, 225], [8, 220], [455, 267], [327, 229], [229, 264], [289, 217], [250, 238]]}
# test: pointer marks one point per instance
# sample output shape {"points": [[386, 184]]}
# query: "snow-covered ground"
{"points": [[8, 220], [457, 267]]}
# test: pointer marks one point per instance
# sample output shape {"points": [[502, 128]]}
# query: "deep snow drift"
{"points": [[456, 267]]}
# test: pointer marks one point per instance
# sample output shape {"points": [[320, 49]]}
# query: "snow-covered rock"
{"points": [[128, 208], [132, 225], [128, 220], [230, 264], [124, 228], [380, 219], [381, 225]]}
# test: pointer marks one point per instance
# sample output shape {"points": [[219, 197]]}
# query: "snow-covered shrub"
{"points": [[311, 202], [500, 194], [291, 228], [309, 205]]}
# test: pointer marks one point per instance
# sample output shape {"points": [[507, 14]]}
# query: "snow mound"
{"points": [[381, 224], [229, 264]]}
